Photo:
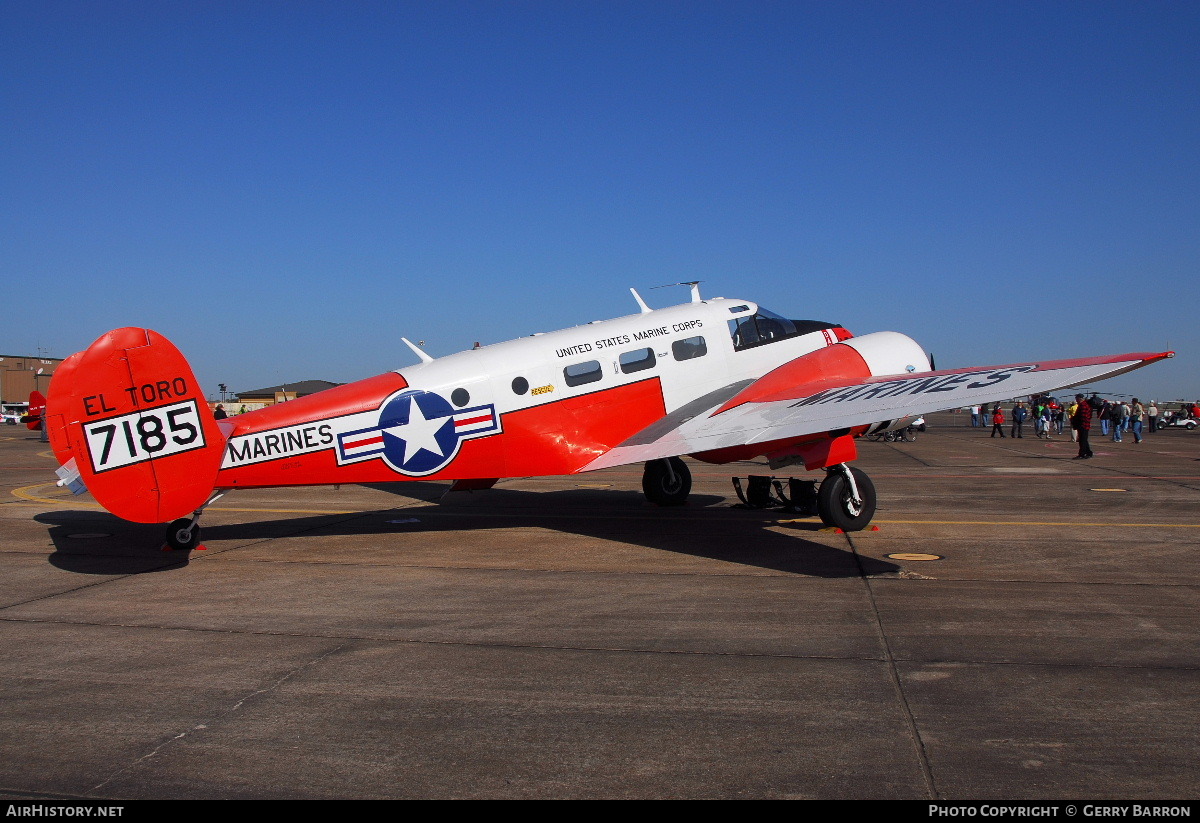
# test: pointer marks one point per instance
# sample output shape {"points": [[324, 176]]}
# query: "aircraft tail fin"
{"points": [[33, 415], [131, 415]]}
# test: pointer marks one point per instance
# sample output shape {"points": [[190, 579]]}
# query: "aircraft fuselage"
{"points": [[541, 405]]}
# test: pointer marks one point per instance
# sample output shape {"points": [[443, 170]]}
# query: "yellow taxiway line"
{"points": [[27, 493], [1043, 523]]}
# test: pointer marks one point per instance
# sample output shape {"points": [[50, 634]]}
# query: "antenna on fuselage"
{"points": [[694, 284], [641, 303], [424, 357]]}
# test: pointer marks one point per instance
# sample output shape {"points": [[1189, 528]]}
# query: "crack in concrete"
{"points": [[914, 731], [202, 726]]}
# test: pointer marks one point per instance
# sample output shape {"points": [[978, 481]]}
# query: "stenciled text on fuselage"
{"points": [[625, 339]]}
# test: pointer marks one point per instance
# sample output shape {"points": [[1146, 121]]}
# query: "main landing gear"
{"points": [[184, 533], [845, 498], [667, 482]]}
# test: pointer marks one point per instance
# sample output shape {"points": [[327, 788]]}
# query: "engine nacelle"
{"points": [[888, 353], [880, 354]]}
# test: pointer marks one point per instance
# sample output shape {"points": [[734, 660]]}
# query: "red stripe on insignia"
{"points": [[473, 420], [358, 444]]}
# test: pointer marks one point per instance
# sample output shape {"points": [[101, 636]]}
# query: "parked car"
{"points": [[904, 434], [11, 413]]}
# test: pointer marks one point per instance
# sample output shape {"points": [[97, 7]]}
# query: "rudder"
{"points": [[130, 412]]}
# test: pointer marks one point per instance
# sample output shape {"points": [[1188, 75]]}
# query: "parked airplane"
{"points": [[719, 380], [37, 408]]}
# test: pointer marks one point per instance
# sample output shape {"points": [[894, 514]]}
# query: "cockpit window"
{"points": [[767, 327]]}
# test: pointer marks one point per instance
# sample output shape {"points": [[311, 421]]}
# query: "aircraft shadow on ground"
{"points": [[92, 542], [700, 529]]}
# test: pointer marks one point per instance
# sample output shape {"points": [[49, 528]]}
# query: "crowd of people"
{"points": [[1049, 417]]}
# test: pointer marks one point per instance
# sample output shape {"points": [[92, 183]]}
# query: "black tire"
{"points": [[179, 536], [658, 486], [833, 501]]}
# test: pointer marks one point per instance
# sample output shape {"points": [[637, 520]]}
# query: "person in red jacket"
{"points": [[1081, 421], [997, 421]]}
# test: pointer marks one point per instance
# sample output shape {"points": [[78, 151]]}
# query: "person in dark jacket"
{"points": [[1018, 420], [1081, 421]]}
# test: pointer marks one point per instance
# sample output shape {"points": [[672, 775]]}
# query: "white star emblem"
{"points": [[418, 433]]}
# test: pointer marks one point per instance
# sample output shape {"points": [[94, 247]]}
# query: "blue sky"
{"points": [[286, 188]]}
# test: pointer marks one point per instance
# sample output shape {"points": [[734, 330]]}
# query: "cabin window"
{"points": [[577, 374], [690, 348], [460, 397], [520, 385], [637, 360]]}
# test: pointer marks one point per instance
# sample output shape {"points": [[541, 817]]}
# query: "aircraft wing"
{"points": [[740, 415]]}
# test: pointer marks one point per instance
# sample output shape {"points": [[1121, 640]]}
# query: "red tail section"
{"points": [[131, 414], [37, 405]]}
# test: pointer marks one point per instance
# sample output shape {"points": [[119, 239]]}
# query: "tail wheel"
{"points": [[667, 482], [183, 534], [836, 504]]}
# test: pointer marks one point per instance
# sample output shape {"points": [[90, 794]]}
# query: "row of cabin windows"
{"points": [[589, 371], [747, 332]]}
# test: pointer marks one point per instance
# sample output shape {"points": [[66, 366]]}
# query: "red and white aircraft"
{"points": [[719, 380]]}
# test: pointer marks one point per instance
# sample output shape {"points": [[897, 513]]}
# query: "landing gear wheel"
{"points": [[835, 505], [182, 534], [667, 482]]}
